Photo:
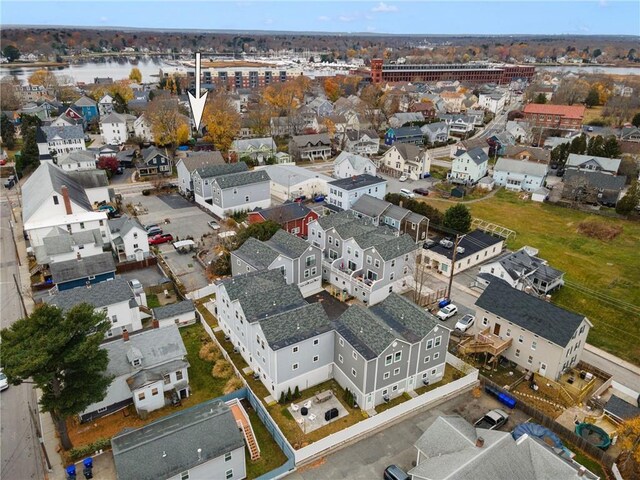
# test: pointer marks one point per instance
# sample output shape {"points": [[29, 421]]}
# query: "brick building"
{"points": [[563, 117]]}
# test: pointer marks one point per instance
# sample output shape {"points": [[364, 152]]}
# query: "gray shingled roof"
{"points": [[365, 332], [60, 241], [90, 178], [242, 178], [123, 224], [76, 269], [113, 117], [472, 243], [85, 101], [370, 206], [578, 161], [477, 155], [525, 167], [405, 317], [169, 446], [295, 325], [407, 151], [256, 253], [621, 409], [156, 347], [46, 180], [168, 311], [77, 156], [284, 213], [263, 293], [538, 316], [386, 243], [598, 180], [209, 171], [68, 132], [288, 244], [195, 160], [98, 295], [395, 212], [319, 138], [150, 152], [521, 263]]}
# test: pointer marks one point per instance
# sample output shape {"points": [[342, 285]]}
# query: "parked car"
{"points": [[213, 224], [403, 178], [465, 323], [404, 192], [150, 226], [3, 161], [10, 182], [154, 231], [120, 170], [560, 172], [421, 191], [161, 238], [394, 472], [447, 312], [492, 420], [135, 285], [4, 383]]}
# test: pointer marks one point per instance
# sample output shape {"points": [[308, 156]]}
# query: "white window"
{"points": [[376, 263], [316, 358], [386, 375], [294, 366], [427, 359], [534, 344], [354, 355], [517, 352], [385, 392], [530, 360], [114, 319], [394, 388], [369, 259], [388, 360], [341, 342], [228, 474], [227, 457], [353, 372], [438, 341], [485, 321], [436, 355], [429, 344], [340, 359], [307, 273], [520, 339], [184, 475], [316, 341], [508, 332], [396, 371], [294, 349], [397, 357]]}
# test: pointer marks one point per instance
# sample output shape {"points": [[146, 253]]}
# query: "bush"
{"points": [[209, 352], [87, 450], [232, 385], [222, 369], [599, 230], [288, 396], [296, 392], [281, 401]]}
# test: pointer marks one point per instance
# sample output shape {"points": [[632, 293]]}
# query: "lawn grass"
{"points": [[271, 456], [585, 460], [393, 403], [593, 113], [451, 373], [152, 301], [611, 267], [439, 173]]}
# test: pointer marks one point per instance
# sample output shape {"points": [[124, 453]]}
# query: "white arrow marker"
{"points": [[197, 102]]}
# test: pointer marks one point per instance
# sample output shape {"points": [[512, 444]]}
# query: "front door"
{"points": [[543, 369], [496, 329]]}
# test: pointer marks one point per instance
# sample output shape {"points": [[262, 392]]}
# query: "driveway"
{"points": [[394, 185], [368, 458]]}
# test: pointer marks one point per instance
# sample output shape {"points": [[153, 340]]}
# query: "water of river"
{"points": [[592, 69], [116, 68]]}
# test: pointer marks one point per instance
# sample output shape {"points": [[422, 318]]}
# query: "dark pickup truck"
{"points": [[492, 420]]}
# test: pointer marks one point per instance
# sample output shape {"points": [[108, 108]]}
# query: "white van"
{"points": [[407, 193]]}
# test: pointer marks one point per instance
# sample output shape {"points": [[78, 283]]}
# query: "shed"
{"points": [[540, 195], [181, 313], [486, 183]]}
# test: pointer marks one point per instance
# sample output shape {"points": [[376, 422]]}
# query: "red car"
{"points": [[160, 238]]}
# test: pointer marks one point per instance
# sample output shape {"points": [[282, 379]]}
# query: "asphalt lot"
{"points": [[394, 185], [368, 458]]}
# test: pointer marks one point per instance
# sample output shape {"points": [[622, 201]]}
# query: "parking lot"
{"points": [[394, 185], [182, 219], [368, 458]]}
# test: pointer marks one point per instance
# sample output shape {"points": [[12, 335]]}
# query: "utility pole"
{"points": [[453, 263], [24, 308]]}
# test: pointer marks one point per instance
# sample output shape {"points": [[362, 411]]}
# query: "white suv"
{"points": [[447, 312]]}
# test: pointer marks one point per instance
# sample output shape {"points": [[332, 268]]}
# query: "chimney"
{"points": [[67, 201], [480, 442], [125, 336], [155, 324]]}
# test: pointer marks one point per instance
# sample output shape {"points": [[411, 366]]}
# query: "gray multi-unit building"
{"points": [[377, 352], [299, 262], [228, 188], [361, 259]]}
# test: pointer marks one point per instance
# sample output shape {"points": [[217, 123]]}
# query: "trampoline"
{"points": [[594, 435]]}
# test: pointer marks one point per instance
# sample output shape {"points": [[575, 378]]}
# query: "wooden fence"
{"points": [[563, 432], [130, 266]]}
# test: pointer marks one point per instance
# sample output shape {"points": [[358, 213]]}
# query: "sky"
{"points": [[584, 17]]}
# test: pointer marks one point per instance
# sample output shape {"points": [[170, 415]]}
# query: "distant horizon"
{"points": [[614, 18]]}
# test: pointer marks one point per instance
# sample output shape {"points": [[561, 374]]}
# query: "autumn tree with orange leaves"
{"points": [[221, 121]]}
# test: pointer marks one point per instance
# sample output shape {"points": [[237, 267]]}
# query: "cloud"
{"points": [[383, 7], [104, 19], [268, 21], [323, 18], [346, 18]]}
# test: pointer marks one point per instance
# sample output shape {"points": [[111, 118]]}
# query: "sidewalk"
{"points": [[51, 445]]}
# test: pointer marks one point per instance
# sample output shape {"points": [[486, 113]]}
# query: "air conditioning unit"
{"points": [[425, 381], [386, 398], [460, 249]]}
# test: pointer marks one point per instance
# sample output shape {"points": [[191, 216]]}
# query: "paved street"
{"points": [[21, 455]]}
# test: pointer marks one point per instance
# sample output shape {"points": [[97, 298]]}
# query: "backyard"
{"points": [[601, 275]]}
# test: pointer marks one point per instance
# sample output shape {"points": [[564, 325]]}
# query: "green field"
{"points": [[609, 269]]}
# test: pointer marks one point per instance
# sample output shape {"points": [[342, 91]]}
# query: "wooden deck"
{"points": [[484, 342]]}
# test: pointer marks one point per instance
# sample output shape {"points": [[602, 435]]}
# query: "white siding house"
{"points": [[349, 165], [345, 192], [469, 167], [113, 128], [519, 175]]}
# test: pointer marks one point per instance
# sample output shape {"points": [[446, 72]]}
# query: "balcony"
{"points": [[484, 342]]}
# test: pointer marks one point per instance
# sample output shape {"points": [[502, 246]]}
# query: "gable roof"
{"points": [[284, 213], [606, 164], [358, 162], [69, 270], [472, 243], [94, 178], [60, 241], [520, 166], [288, 244], [298, 324], [597, 180], [256, 253], [367, 333], [46, 180], [621, 409], [477, 154], [123, 225], [66, 132], [232, 180], [407, 132], [150, 152], [538, 316], [407, 151], [262, 293], [210, 171], [405, 317], [520, 263], [77, 156], [255, 143], [85, 101], [370, 206], [535, 153], [176, 443], [97, 295], [318, 138], [113, 117], [355, 135], [173, 309]]}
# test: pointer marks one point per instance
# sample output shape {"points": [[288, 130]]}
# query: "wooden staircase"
{"points": [[244, 425]]}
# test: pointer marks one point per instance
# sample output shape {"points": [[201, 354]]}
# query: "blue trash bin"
{"points": [[88, 462]]}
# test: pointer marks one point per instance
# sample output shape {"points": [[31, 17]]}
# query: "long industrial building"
{"points": [[464, 72]]}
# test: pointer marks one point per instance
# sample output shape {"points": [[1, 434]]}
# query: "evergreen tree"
{"points": [[540, 98], [60, 351], [30, 155], [596, 146], [593, 98], [296, 392], [611, 148], [7, 131], [282, 398], [636, 120], [630, 201], [458, 218], [288, 397]]}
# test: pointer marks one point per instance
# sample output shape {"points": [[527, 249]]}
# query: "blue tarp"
{"points": [[538, 431]]}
